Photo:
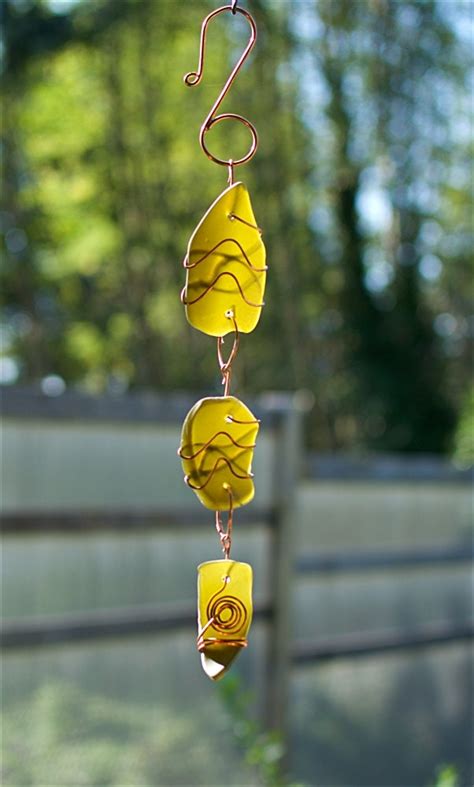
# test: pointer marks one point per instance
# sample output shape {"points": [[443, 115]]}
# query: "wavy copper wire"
{"points": [[188, 265], [206, 445], [220, 460], [211, 287]]}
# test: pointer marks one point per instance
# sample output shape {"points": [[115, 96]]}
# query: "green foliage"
{"points": [[359, 184], [264, 751], [464, 439], [66, 737], [447, 776]]}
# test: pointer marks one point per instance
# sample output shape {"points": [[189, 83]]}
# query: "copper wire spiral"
{"points": [[226, 615]]}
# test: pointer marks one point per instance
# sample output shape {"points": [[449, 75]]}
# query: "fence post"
{"points": [[287, 468]]}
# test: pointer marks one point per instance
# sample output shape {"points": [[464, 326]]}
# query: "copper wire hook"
{"points": [[194, 77], [226, 366], [226, 535]]}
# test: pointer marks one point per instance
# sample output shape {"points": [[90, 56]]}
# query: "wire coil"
{"points": [[227, 615]]}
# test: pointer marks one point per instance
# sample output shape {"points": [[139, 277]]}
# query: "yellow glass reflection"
{"points": [[217, 443], [225, 264], [224, 613]]}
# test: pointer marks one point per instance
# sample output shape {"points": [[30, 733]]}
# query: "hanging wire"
{"points": [[226, 366], [226, 535], [227, 604], [193, 78]]}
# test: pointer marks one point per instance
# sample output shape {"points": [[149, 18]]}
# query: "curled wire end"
{"points": [[234, 217], [233, 6], [192, 78], [231, 420]]}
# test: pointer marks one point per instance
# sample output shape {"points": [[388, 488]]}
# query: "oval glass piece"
{"points": [[224, 613], [225, 265], [217, 443]]}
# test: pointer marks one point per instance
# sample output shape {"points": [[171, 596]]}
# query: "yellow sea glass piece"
{"points": [[216, 449], [225, 265], [224, 613]]}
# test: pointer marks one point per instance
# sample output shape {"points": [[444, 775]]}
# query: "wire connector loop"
{"points": [[193, 78]]}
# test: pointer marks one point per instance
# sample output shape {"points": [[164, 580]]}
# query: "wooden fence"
{"points": [[282, 423]]}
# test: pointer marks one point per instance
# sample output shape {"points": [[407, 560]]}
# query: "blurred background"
{"points": [[362, 185]]}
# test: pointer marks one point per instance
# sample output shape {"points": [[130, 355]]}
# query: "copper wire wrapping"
{"points": [[188, 265], [217, 464], [226, 614], [188, 302], [217, 453], [221, 460], [209, 443], [211, 318]]}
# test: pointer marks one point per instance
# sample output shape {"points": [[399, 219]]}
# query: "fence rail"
{"points": [[154, 620], [27, 403], [77, 522], [142, 621], [377, 468], [378, 560], [356, 645], [105, 624]]}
